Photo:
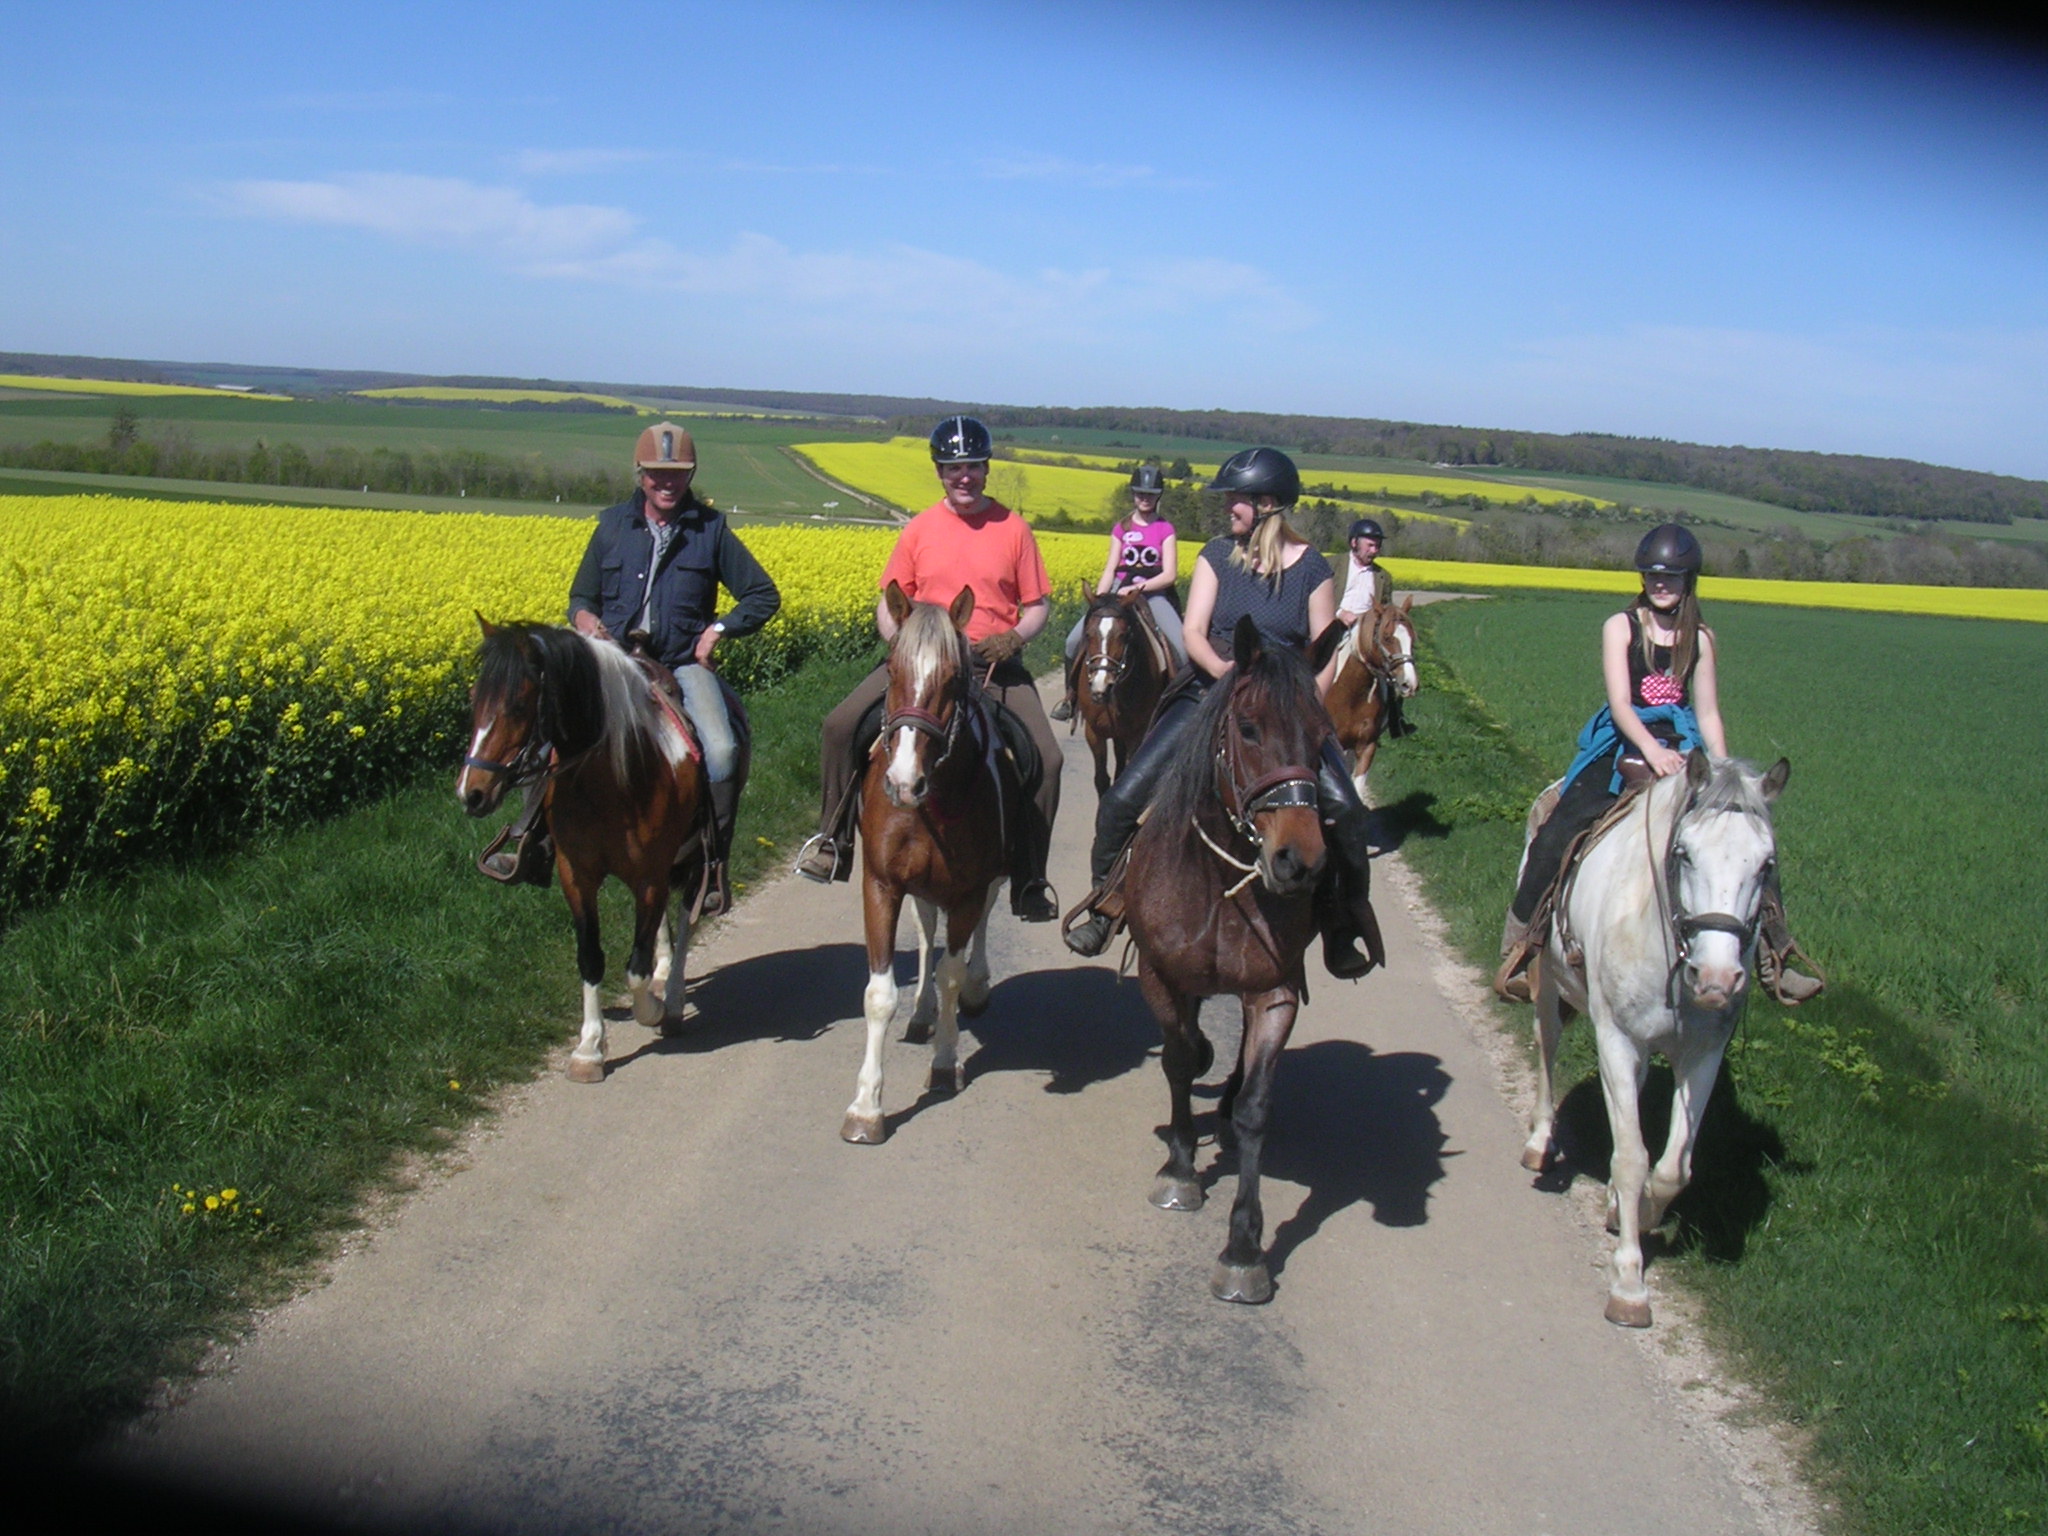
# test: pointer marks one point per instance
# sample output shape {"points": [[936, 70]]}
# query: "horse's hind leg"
{"points": [[974, 990], [1543, 1118], [670, 970], [650, 915], [924, 1009], [962, 922], [1184, 1056], [586, 1062], [1241, 1272], [863, 1124]]}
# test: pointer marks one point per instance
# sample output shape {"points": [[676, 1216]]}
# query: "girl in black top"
{"points": [[1266, 570]]}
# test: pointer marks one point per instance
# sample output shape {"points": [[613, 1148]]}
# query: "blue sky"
{"points": [[1718, 224]]}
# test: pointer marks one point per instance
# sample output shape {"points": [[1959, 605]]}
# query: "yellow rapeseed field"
{"points": [[243, 665], [900, 472], [497, 396], [123, 387], [1367, 480]]}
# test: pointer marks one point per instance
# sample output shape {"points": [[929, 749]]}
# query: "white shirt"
{"points": [[1358, 584]]}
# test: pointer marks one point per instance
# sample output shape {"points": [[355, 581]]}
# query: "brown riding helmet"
{"points": [[665, 446]]}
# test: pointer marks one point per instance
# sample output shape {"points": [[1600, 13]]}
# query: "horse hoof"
{"points": [[918, 1032], [1535, 1159], [947, 1081], [972, 1007], [1171, 1194], [581, 1071], [1624, 1313], [1248, 1283], [863, 1130]]}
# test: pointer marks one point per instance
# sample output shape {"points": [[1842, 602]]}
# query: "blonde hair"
{"points": [[1685, 630], [1261, 552]]}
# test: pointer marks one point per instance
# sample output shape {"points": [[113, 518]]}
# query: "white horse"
{"points": [[1653, 939]]}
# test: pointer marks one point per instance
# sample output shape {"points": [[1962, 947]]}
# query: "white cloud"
{"points": [[1054, 168], [435, 210], [575, 162]]}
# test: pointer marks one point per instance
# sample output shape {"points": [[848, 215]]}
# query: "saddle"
{"points": [[1636, 776], [1162, 653]]}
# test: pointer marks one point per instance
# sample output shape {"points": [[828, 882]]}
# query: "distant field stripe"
{"points": [[900, 472], [2028, 604], [124, 387], [499, 396], [1367, 480]]}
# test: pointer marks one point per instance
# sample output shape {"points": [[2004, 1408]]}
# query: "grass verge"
{"points": [[284, 1024], [1868, 1222]]}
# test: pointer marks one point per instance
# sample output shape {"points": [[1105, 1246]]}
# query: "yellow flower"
{"points": [[454, 1086], [213, 1202], [230, 1194], [187, 1208]]}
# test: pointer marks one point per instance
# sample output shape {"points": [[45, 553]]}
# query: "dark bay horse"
{"points": [[1122, 668], [1375, 666], [1221, 889], [626, 796], [933, 807]]}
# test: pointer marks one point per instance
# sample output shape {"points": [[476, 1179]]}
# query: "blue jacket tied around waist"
{"points": [[1602, 738]]}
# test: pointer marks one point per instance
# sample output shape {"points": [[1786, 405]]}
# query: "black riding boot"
{"points": [[522, 853], [725, 807], [1116, 819], [1343, 900]]}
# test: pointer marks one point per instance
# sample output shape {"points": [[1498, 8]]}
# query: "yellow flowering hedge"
{"points": [[171, 672]]}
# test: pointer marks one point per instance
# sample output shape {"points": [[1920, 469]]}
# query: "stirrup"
{"points": [[1064, 710], [822, 859], [1515, 981], [717, 890], [1035, 901], [524, 863], [1087, 932]]}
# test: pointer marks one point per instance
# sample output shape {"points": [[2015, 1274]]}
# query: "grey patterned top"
{"points": [[1281, 613]]}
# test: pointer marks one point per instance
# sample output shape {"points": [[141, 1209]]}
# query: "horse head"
{"points": [[1269, 740], [1720, 856], [1106, 640], [925, 709], [506, 744], [1386, 647]]}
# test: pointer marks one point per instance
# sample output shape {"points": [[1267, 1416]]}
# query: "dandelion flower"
{"points": [[231, 1194], [454, 1086], [213, 1202], [187, 1208]]}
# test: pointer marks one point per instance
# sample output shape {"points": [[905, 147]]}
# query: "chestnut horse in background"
{"points": [[627, 796], [1122, 669], [1221, 885], [934, 804], [1375, 666]]}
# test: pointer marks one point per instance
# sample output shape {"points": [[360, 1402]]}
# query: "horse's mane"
{"points": [[1736, 786], [591, 693], [1281, 686], [927, 640]]}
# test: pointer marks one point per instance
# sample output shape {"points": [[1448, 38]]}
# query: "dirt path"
{"points": [[677, 1302]]}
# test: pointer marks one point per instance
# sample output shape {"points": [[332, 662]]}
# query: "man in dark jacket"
{"points": [[654, 564]]}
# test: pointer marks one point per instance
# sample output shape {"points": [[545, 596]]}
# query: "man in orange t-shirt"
{"points": [[965, 539]]}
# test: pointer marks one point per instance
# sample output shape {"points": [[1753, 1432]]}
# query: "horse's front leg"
{"points": [[1366, 754], [1623, 1062], [1241, 1273], [1543, 1118], [975, 989], [1697, 1067], [924, 1007], [586, 1062], [650, 916], [1184, 1056], [883, 905], [962, 922], [1099, 744]]}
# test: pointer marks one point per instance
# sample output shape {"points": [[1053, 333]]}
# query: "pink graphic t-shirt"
{"points": [[1140, 552]]}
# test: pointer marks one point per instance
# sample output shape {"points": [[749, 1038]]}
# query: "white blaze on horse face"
{"points": [[903, 772], [1098, 662], [476, 749], [1410, 681]]}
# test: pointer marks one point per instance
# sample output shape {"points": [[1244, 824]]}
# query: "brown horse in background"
{"points": [[1375, 666], [1121, 670], [932, 827], [1221, 887], [626, 795]]}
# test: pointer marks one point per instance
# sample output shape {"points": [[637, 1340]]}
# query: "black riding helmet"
{"points": [[1366, 528], [1669, 550], [1147, 479], [961, 440], [1259, 472]]}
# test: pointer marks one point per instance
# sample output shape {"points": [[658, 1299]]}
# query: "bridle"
{"points": [[917, 718], [1276, 789], [530, 762], [1385, 671], [1684, 927]]}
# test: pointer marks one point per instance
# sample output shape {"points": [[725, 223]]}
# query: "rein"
{"points": [[1281, 788], [1684, 927]]}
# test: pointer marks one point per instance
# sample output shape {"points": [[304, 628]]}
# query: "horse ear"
{"points": [[963, 607], [899, 605], [1698, 767], [484, 624], [1131, 597], [1774, 781], [1326, 646], [1247, 645], [1408, 603]]}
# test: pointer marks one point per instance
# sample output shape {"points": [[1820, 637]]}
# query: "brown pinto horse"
{"points": [[1222, 884], [626, 795], [1375, 666], [1122, 669], [933, 807]]}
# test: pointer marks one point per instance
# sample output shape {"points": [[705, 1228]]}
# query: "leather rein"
{"points": [[925, 722], [1278, 789], [1684, 927]]}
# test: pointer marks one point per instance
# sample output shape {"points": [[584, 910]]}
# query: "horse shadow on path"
{"points": [[1354, 1126], [789, 996]]}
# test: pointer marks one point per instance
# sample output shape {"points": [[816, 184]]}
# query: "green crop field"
{"points": [[1869, 1218]]}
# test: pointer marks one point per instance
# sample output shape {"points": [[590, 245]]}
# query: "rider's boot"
{"points": [[1064, 710], [1775, 949], [1032, 897], [1091, 925], [1520, 943], [1343, 900], [725, 806], [827, 855], [522, 853], [1397, 719]]}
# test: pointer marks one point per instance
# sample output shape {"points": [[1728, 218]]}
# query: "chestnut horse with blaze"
{"points": [[1375, 667], [932, 827], [1123, 667], [626, 795], [1221, 885]]}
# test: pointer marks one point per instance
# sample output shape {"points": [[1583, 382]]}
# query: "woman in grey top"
{"points": [[1265, 570]]}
